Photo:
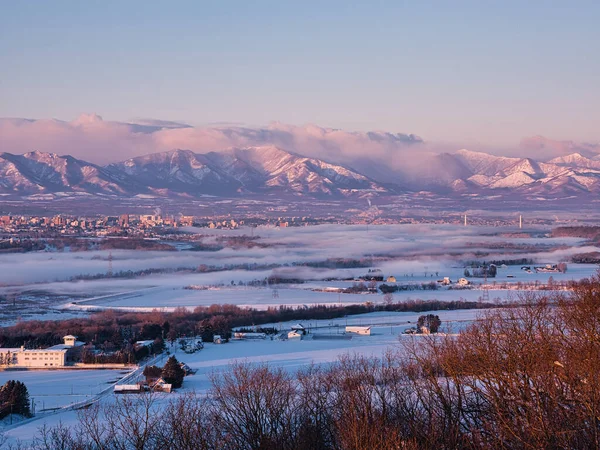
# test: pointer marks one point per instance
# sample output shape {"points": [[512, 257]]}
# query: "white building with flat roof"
{"points": [[51, 357], [41, 358]]}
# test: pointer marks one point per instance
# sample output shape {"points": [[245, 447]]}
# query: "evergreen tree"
{"points": [[431, 321], [172, 373], [14, 395]]}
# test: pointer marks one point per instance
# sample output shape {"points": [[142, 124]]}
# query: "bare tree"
{"points": [[255, 407]]}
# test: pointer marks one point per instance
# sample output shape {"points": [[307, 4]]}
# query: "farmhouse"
{"points": [[162, 386]]}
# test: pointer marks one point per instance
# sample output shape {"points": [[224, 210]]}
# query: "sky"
{"points": [[449, 71]]}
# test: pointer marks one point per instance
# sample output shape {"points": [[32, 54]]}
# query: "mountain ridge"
{"points": [[273, 170], [233, 172]]}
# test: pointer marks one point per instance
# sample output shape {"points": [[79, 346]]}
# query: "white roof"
{"points": [[43, 350], [127, 387], [65, 347]]}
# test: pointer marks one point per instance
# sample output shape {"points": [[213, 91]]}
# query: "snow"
{"points": [[50, 389], [53, 388], [514, 180], [171, 294]]}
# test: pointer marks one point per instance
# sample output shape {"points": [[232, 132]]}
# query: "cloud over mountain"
{"points": [[542, 147], [403, 159], [94, 139]]}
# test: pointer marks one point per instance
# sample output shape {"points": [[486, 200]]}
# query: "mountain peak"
{"points": [[37, 155], [576, 160], [270, 169]]}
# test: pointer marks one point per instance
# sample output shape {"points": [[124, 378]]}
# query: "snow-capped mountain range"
{"points": [[263, 170], [182, 172]]}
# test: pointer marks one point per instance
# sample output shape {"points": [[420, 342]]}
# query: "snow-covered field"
{"points": [[414, 248], [413, 254], [51, 389], [168, 291], [292, 354]]}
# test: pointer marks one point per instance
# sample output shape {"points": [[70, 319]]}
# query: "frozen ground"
{"points": [[412, 253], [52, 389], [169, 293], [413, 247], [214, 359]]}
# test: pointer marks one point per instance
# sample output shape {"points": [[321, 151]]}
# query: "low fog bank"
{"points": [[403, 248]]}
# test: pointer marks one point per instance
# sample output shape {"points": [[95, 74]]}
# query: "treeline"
{"points": [[75, 244], [499, 262], [130, 273], [391, 288], [522, 378], [114, 331], [586, 258], [585, 232], [21, 246], [339, 263]]}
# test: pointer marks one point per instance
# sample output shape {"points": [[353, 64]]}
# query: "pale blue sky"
{"points": [[447, 70]]}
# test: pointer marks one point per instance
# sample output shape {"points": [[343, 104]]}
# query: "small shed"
{"points": [[299, 328], [364, 331], [294, 335], [128, 389]]}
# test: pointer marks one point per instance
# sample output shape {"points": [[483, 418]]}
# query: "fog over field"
{"points": [[405, 247], [235, 273]]}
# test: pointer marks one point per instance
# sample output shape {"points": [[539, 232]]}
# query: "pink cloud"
{"points": [[382, 155], [549, 148]]}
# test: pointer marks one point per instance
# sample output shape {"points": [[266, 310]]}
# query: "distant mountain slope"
{"points": [[272, 170], [182, 172], [47, 172], [560, 176]]}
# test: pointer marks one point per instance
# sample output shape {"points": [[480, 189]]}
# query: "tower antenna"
{"points": [[486, 293]]}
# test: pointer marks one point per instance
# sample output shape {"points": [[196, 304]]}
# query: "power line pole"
{"points": [[110, 265], [486, 293]]}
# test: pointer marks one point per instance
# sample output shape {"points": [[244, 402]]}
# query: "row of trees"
{"points": [[389, 288], [115, 331], [523, 378]]}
